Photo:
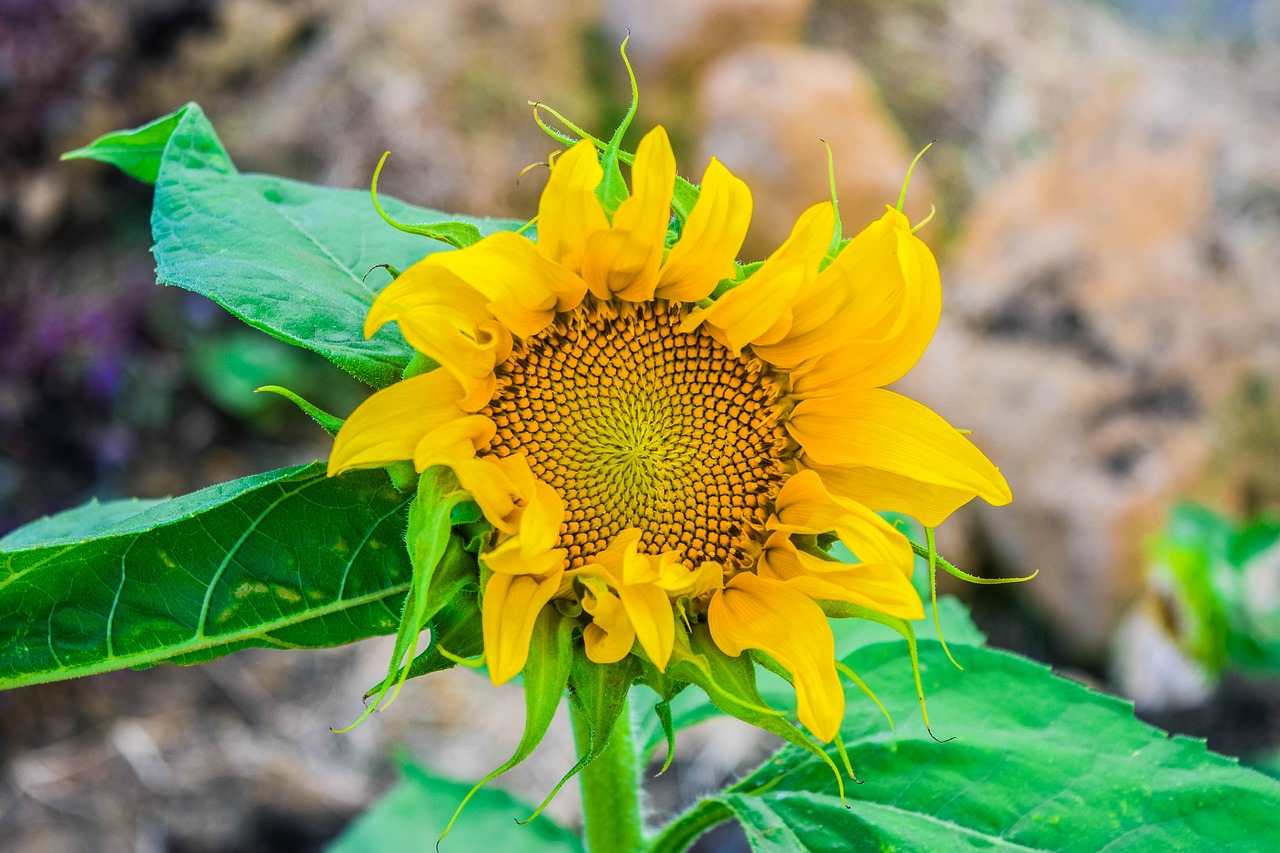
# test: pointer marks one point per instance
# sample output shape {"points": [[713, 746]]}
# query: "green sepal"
{"points": [[663, 710], [403, 476], [730, 684], [136, 152], [467, 513], [845, 610], [428, 539], [475, 534], [612, 190], [329, 423], [745, 271], [951, 569], [598, 692], [546, 675], [456, 629], [418, 365], [456, 234]]}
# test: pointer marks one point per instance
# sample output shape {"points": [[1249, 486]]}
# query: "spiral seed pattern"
{"points": [[637, 424]]}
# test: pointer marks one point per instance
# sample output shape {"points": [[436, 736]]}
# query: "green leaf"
{"points": [[288, 258], [286, 559], [413, 813], [74, 525], [135, 152], [1033, 762]]}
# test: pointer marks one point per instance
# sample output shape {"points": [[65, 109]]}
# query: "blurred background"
{"points": [[1107, 181]]}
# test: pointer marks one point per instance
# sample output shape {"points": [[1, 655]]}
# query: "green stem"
{"points": [[679, 835], [610, 789]]}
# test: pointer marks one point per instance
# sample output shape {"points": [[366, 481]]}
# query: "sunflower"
{"points": [[660, 437]]}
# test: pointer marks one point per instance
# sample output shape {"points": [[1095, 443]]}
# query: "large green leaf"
{"points": [[1032, 762], [286, 559], [74, 525], [412, 815], [289, 258]]}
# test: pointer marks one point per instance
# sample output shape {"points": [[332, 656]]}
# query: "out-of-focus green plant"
{"points": [[1221, 581]]}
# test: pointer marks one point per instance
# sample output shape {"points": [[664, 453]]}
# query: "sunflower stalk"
{"points": [[611, 820]]}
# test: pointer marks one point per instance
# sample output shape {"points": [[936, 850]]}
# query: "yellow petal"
{"points": [[522, 287], [875, 428], [448, 321], [472, 431], [569, 212], [612, 560], [510, 608], [624, 260], [885, 329], [531, 549], [650, 613], [757, 613], [925, 502], [490, 483], [637, 568], [610, 636], [879, 287], [512, 556], [388, 426], [759, 309], [805, 506], [424, 285], [711, 239], [879, 586]]}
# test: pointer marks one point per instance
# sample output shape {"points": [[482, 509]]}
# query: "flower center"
{"points": [[637, 424]]}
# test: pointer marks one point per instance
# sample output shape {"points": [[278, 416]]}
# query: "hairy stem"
{"points": [[610, 789]]}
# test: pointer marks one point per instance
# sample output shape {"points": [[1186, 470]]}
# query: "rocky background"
{"points": [[1107, 184]]}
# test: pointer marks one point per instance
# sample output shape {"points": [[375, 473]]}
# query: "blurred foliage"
{"points": [[414, 813], [1220, 580]]}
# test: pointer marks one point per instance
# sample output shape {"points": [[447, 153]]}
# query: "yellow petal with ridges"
{"points": [[569, 212], [868, 282], [805, 506], [610, 562], [388, 426], [880, 586], [523, 288], [610, 636], [449, 322], [905, 319], [492, 485], [624, 260], [650, 613], [424, 285], [531, 549], [761, 307], [712, 236], [875, 428], [509, 610], [472, 431], [927, 503], [756, 613]]}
